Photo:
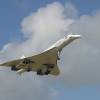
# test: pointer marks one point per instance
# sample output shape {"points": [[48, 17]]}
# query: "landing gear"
{"points": [[58, 58], [45, 70], [58, 55], [39, 72], [48, 66], [29, 69]]}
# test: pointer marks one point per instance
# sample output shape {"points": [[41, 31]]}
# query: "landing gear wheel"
{"points": [[29, 69], [47, 72], [39, 72]]}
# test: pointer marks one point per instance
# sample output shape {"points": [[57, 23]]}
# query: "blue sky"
{"points": [[12, 13]]}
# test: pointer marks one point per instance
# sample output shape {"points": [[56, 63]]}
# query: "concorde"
{"points": [[44, 63]]}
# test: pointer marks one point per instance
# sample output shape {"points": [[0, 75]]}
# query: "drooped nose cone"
{"points": [[76, 36]]}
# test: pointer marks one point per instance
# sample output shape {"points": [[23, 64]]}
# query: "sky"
{"points": [[30, 26]]}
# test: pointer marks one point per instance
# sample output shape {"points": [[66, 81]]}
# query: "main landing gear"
{"points": [[47, 69]]}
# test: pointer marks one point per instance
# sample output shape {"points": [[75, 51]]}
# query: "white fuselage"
{"points": [[64, 41]]}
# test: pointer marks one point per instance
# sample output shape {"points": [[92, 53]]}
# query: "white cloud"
{"points": [[44, 26], [79, 62], [81, 65]]}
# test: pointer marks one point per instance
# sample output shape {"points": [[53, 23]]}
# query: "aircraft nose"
{"points": [[77, 36]]}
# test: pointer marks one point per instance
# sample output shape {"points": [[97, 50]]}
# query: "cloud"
{"points": [[79, 63], [47, 23]]}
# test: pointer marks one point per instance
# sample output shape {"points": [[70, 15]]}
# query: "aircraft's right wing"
{"points": [[43, 60]]}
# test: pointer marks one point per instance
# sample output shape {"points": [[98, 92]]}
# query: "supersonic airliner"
{"points": [[44, 63]]}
